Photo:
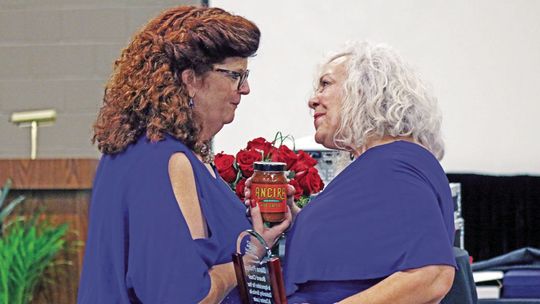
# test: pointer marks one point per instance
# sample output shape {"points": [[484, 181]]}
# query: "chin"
{"points": [[326, 141], [319, 138], [228, 120]]}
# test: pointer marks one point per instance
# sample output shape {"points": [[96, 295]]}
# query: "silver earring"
{"points": [[190, 102]]}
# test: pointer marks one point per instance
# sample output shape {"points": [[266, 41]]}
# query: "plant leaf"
{"points": [[27, 250], [5, 191], [7, 210]]}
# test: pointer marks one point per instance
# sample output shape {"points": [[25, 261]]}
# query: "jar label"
{"points": [[271, 198]]}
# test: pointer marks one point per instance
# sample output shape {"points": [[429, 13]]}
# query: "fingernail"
{"points": [[253, 203]]}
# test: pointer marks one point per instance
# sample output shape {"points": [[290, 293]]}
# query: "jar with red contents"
{"points": [[269, 190]]}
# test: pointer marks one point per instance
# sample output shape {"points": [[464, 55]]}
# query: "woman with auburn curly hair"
{"points": [[163, 225]]}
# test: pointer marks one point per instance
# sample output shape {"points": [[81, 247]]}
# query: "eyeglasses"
{"points": [[234, 75]]}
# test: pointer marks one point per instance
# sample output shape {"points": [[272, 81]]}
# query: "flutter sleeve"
{"points": [[369, 223]]}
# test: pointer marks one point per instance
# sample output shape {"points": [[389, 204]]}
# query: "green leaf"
{"points": [[7, 210], [27, 250], [276, 137], [238, 178], [5, 191], [303, 201]]}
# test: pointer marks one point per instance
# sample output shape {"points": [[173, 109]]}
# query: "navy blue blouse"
{"points": [[139, 248], [388, 211]]}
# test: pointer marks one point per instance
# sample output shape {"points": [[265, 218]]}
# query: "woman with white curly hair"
{"points": [[382, 230]]}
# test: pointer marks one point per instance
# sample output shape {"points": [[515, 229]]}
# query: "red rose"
{"points": [[299, 190], [245, 160], [225, 166], [273, 151], [306, 158], [285, 155], [304, 162], [260, 144], [310, 181], [240, 188]]}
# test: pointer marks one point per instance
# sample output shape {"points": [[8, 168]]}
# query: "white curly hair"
{"points": [[384, 96]]}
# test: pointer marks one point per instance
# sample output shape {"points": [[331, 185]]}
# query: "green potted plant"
{"points": [[27, 248]]}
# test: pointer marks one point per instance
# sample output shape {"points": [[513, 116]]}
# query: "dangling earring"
{"points": [[190, 102]]}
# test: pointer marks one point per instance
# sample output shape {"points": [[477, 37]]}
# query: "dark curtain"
{"points": [[501, 213]]}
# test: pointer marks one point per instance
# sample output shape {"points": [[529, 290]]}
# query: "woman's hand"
{"points": [[270, 235]]}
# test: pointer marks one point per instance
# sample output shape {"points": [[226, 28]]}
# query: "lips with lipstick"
{"points": [[316, 117]]}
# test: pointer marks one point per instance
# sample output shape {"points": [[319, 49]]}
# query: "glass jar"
{"points": [[269, 190]]}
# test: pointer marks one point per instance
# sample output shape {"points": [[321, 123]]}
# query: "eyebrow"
{"points": [[239, 70], [324, 75]]}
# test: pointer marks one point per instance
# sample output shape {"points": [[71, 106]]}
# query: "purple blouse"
{"points": [[139, 248], [388, 211]]}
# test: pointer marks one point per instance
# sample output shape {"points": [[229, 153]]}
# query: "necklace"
{"points": [[204, 152]]}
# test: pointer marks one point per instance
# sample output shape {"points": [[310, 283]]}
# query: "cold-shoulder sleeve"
{"points": [[139, 248], [375, 219], [164, 265]]}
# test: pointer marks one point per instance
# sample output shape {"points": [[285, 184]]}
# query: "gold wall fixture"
{"points": [[33, 119]]}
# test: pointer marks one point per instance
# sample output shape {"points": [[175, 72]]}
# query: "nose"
{"points": [[244, 88], [313, 102]]}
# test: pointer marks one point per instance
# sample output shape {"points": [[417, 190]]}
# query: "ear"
{"points": [[191, 81]]}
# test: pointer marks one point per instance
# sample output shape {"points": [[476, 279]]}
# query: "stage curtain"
{"points": [[501, 213]]}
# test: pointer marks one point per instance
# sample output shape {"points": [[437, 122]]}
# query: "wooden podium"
{"points": [[62, 187]]}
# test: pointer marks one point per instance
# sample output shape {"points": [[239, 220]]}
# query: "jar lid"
{"points": [[269, 166]]}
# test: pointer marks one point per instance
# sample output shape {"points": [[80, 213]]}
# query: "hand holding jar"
{"points": [[271, 195], [268, 189]]}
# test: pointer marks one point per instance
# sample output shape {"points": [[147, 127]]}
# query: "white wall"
{"points": [[482, 57]]}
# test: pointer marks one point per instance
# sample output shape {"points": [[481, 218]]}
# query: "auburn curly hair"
{"points": [[145, 93]]}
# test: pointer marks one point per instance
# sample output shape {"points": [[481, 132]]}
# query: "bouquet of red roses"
{"points": [[301, 170]]}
